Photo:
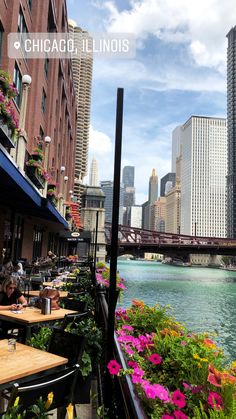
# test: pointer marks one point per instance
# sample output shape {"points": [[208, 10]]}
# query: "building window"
{"points": [[17, 79], [43, 104], [46, 67], [30, 4], [37, 242], [41, 133], [18, 237], [22, 28]]}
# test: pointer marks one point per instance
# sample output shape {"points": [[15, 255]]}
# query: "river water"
{"points": [[202, 298]]}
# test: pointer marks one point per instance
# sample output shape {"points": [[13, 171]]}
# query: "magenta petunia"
{"points": [[178, 399], [162, 393], [179, 415], [155, 359], [113, 367], [215, 400], [167, 417]]}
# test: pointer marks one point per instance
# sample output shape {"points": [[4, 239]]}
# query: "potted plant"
{"points": [[176, 373], [103, 280], [8, 119], [37, 154], [91, 354], [51, 196], [36, 172]]}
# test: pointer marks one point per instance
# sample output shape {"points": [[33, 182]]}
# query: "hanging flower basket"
{"points": [[9, 127]]}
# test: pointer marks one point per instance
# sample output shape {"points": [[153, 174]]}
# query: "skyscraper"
{"points": [[203, 176], [231, 117], [107, 188], [153, 187], [82, 74], [129, 189], [128, 176], [170, 177], [93, 176]]}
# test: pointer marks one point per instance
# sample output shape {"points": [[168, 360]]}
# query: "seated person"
{"points": [[7, 267], [11, 298], [51, 293]]}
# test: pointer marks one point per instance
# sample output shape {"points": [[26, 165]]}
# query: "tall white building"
{"points": [[176, 139], [93, 175], [203, 176], [136, 216], [82, 68]]}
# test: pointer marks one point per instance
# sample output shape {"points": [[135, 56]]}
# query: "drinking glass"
{"points": [[11, 345]]}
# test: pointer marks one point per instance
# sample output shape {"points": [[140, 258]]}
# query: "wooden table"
{"points": [[36, 293], [32, 316], [53, 284], [24, 362]]}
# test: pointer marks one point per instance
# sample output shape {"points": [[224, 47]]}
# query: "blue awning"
{"points": [[17, 192], [13, 181]]}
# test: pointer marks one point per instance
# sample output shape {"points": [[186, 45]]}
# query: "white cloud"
{"points": [[99, 142], [202, 24]]}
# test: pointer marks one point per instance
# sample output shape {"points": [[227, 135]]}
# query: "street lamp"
{"points": [[21, 143], [47, 141], [63, 169]]}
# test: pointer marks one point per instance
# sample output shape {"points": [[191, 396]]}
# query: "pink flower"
{"points": [[113, 367], [179, 415], [137, 375], [178, 399], [162, 393], [155, 359], [215, 401], [167, 417], [127, 327], [183, 343], [150, 390], [132, 364]]}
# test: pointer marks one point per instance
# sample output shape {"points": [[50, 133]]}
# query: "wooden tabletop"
{"points": [[25, 361], [31, 315], [36, 293], [53, 284]]}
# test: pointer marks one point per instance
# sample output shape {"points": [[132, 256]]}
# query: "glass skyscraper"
{"points": [[231, 117]]}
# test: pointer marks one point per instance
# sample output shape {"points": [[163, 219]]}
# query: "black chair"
{"points": [[74, 318], [68, 345], [62, 384], [36, 283], [74, 304]]}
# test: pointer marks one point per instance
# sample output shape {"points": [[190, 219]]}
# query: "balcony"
{"points": [[6, 136], [34, 175]]}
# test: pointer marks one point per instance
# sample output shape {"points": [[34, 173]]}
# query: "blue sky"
{"points": [[179, 70]]}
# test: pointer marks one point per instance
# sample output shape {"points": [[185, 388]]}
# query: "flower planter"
{"points": [[52, 199], [35, 177], [37, 157], [6, 136]]}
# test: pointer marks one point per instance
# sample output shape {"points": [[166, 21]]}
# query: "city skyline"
{"points": [[179, 70]]}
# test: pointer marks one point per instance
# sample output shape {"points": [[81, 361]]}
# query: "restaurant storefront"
{"points": [[29, 224]]}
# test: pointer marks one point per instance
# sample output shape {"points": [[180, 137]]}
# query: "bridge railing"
{"points": [[135, 235]]}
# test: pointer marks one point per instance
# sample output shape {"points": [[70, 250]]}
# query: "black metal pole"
{"points": [[114, 228], [95, 249]]}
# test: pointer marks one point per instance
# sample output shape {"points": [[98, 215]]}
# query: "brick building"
{"points": [[29, 224]]}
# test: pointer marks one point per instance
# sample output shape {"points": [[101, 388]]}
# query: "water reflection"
{"points": [[204, 299]]}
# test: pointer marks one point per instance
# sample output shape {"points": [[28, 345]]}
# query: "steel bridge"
{"points": [[137, 241]]}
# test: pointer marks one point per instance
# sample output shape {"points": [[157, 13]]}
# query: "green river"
{"points": [[202, 298]]}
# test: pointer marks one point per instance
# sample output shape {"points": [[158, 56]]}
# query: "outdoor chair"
{"points": [[61, 383], [75, 318], [36, 282], [66, 344], [74, 304]]}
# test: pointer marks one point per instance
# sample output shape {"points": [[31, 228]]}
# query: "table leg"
{"points": [[28, 333]]}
